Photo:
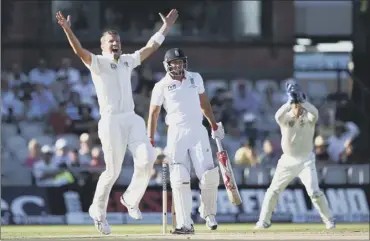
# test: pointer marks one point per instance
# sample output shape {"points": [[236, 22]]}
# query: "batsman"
{"points": [[182, 94], [297, 119]]}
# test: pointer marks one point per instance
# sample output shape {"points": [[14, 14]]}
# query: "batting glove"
{"points": [[218, 131]]}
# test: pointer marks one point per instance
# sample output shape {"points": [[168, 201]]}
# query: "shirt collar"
{"points": [[170, 79], [109, 55]]}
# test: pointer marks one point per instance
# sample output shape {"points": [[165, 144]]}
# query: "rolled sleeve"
{"points": [[200, 84], [94, 67], [157, 96], [134, 59]]}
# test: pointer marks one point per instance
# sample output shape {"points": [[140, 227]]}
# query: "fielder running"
{"points": [[182, 94], [119, 126], [297, 120]]}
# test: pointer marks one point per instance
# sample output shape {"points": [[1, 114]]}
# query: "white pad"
{"points": [[268, 205], [321, 204], [208, 192], [182, 196]]}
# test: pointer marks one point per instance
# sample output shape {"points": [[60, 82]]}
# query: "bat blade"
{"points": [[228, 177]]}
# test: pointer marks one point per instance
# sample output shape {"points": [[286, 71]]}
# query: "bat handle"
{"points": [[219, 145]]}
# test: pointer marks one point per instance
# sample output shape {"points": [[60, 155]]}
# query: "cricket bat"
{"points": [[228, 174]]}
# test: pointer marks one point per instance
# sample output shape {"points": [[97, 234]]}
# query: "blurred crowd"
{"points": [[54, 115]]}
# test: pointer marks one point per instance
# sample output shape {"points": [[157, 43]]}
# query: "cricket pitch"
{"points": [[233, 232]]}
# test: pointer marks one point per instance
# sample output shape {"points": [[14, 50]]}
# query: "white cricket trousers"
{"points": [[116, 133], [287, 169], [187, 144]]}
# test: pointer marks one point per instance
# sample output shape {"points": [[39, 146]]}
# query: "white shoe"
{"points": [[330, 225], [101, 225], [211, 222], [134, 212], [262, 225]]}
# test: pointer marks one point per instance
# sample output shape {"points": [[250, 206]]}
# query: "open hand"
{"points": [[170, 19], [62, 21]]}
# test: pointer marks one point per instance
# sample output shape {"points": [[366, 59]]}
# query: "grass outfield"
{"points": [[225, 231]]}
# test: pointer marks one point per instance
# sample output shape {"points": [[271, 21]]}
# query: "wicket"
{"points": [[165, 172]]}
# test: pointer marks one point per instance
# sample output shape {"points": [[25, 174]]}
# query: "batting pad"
{"points": [[208, 192], [321, 204], [182, 196]]}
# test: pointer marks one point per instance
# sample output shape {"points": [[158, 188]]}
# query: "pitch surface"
{"points": [[233, 232]]}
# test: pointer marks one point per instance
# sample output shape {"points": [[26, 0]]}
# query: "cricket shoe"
{"points": [[134, 212], [211, 222], [183, 230], [262, 225], [101, 225], [330, 225]]}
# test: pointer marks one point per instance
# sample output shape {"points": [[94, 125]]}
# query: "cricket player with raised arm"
{"points": [[297, 119], [182, 94], [119, 126]]}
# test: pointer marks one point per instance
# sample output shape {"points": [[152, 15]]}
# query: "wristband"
{"points": [[158, 38]]}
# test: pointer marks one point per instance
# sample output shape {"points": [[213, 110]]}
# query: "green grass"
{"points": [[42, 231]]}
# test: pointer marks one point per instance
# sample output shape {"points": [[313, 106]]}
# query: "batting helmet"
{"points": [[175, 54]]}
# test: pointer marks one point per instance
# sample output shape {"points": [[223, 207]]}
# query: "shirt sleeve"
{"points": [[157, 95], [94, 67], [38, 170], [281, 113], [313, 113], [200, 84], [133, 59]]}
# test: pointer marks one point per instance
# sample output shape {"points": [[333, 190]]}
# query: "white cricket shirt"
{"points": [[112, 81], [297, 134], [180, 99]]}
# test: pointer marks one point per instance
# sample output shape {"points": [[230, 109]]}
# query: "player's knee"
{"points": [[145, 155], [315, 194], [179, 176], [111, 175], [273, 191], [210, 179]]}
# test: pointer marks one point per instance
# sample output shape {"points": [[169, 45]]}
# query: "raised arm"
{"points": [[84, 54], [281, 113], [313, 113], [157, 39]]}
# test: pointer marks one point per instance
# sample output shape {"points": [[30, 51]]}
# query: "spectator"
{"points": [[11, 104], [76, 160], [41, 74], [47, 173], [16, 76], [60, 121], [44, 99], [245, 156], [233, 139], [84, 151], [321, 149], [269, 157], [33, 153], [96, 157], [85, 89], [270, 103], [345, 156], [85, 122], [343, 133], [67, 72], [61, 157], [73, 106], [245, 100]]}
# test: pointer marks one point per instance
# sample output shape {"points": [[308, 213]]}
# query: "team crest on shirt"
{"points": [[171, 87], [192, 83], [125, 64], [301, 122], [113, 66], [291, 123]]}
